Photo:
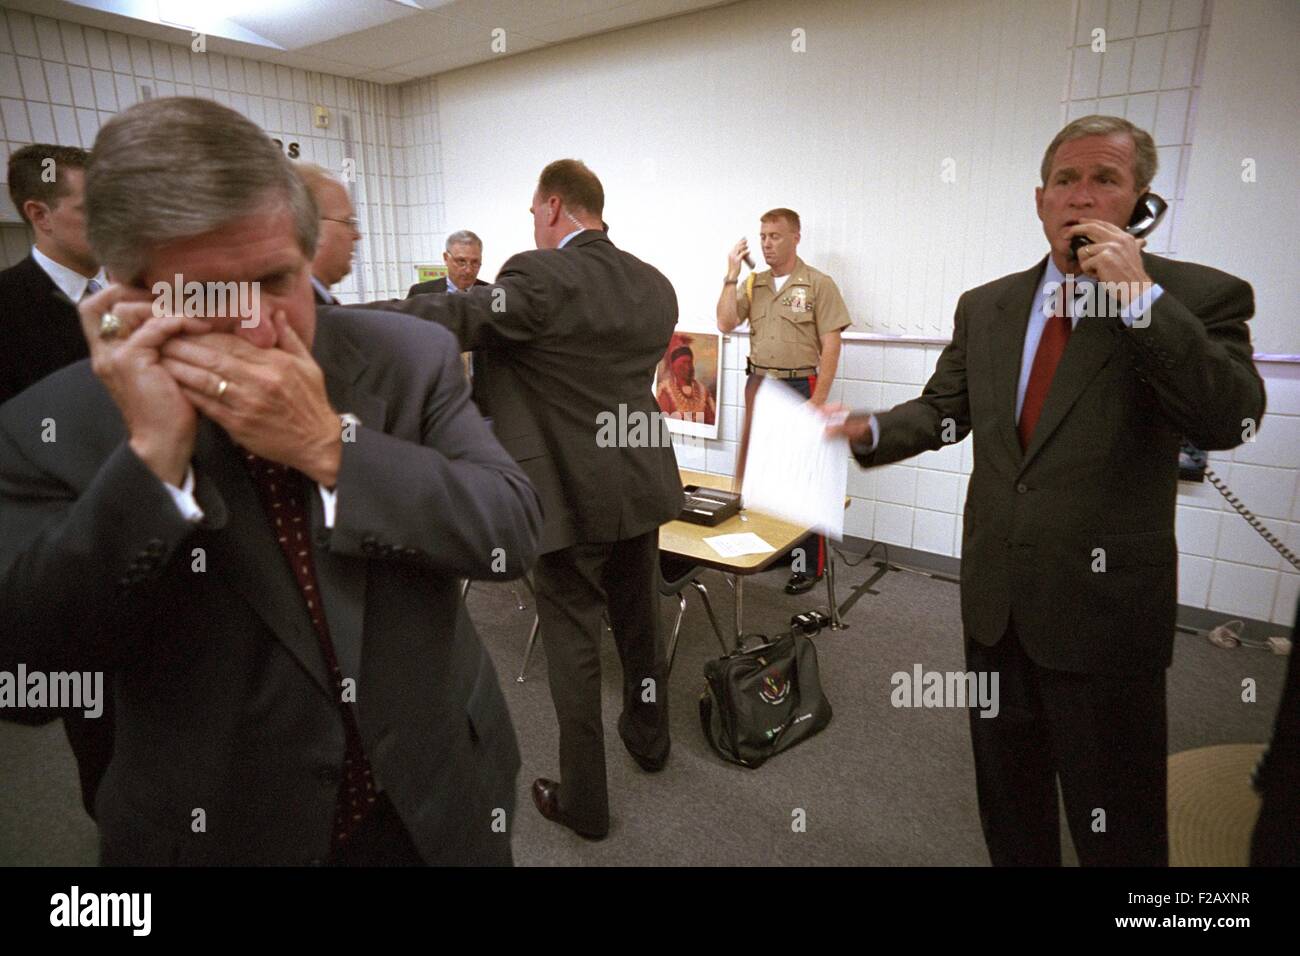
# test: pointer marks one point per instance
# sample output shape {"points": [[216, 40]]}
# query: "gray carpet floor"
{"points": [[880, 786]]}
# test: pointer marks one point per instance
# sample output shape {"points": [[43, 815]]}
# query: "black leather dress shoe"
{"points": [[800, 583], [645, 763], [546, 797]]}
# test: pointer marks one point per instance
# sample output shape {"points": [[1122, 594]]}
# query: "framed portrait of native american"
{"points": [[687, 382]]}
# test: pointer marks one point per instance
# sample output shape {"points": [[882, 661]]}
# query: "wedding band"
{"points": [[110, 326], [221, 388]]}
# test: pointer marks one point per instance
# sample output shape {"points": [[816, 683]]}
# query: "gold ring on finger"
{"points": [[110, 326], [221, 388]]}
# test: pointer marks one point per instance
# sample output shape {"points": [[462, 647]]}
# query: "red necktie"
{"points": [[1050, 349], [283, 494]]}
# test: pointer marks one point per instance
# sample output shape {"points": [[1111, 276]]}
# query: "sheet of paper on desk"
{"points": [[734, 545], [792, 469]]}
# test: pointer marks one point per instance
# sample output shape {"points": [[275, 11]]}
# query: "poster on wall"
{"points": [[429, 273], [687, 381]]}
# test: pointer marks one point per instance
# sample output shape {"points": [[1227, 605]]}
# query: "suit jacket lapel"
{"points": [[342, 580], [245, 552], [1007, 346]]}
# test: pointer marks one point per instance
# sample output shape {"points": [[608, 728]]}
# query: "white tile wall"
{"points": [[60, 81], [425, 227], [1149, 73]]}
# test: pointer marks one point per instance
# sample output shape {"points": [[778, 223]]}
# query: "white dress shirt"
{"points": [[68, 281]]}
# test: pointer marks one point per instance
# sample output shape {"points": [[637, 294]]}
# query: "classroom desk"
{"points": [[686, 540]]}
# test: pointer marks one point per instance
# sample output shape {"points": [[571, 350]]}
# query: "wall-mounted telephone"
{"points": [[1193, 464], [1148, 212]]}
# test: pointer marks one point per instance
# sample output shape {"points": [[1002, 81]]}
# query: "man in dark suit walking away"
{"points": [[571, 334], [256, 522], [1078, 378]]}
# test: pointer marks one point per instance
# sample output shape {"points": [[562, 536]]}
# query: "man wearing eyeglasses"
{"points": [[464, 258], [338, 231]]}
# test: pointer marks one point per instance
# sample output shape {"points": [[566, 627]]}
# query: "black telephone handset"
{"points": [[1148, 212]]}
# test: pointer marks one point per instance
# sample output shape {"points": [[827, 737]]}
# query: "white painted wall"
{"points": [[697, 125]]}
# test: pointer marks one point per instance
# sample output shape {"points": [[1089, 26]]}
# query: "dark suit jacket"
{"points": [[434, 285], [42, 332], [570, 336], [39, 327], [223, 699], [478, 383], [1101, 471]]}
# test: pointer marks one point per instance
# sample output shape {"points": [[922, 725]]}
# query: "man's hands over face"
{"points": [[161, 422], [274, 404]]}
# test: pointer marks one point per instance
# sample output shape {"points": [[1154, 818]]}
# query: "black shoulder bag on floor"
{"points": [[761, 701]]}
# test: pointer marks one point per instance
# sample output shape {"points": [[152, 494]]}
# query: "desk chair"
{"points": [[675, 576]]}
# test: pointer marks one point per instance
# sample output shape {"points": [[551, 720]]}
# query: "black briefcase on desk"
{"points": [[708, 506], [761, 701]]}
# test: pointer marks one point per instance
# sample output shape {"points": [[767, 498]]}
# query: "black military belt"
{"points": [[784, 373]]}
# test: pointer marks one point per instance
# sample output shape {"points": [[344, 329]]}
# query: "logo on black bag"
{"points": [[775, 688]]}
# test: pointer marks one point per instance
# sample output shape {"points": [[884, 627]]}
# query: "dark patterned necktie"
{"points": [[283, 492]]}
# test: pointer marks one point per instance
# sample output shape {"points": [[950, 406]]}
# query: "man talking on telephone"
{"points": [[1078, 399]]}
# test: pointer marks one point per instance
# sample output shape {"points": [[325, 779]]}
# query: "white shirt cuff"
{"points": [[184, 497], [865, 448], [328, 502], [1140, 305]]}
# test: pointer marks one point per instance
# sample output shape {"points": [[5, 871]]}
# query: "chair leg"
{"points": [[464, 589], [528, 651], [528, 583], [708, 607], [677, 630]]}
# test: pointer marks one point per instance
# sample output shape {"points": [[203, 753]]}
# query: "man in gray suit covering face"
{"points": [[255, 523]]}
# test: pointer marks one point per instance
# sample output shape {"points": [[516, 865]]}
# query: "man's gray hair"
{"points": [[177, 167], [1144, 147], [316, 177], [463, 237]]}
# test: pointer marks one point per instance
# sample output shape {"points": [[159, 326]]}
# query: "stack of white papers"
{"points": [[735, 545], [792, 469]]}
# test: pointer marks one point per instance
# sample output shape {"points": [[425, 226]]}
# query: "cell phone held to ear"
{"points": [[1148, 212]]}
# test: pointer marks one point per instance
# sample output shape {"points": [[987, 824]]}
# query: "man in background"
{"points": [[463, 257], [339, 231], [39, 296], [42, 334], [573, 332], [795, 315]]}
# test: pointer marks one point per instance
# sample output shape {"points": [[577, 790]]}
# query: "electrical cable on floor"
{"points": [[1229, 635]]}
